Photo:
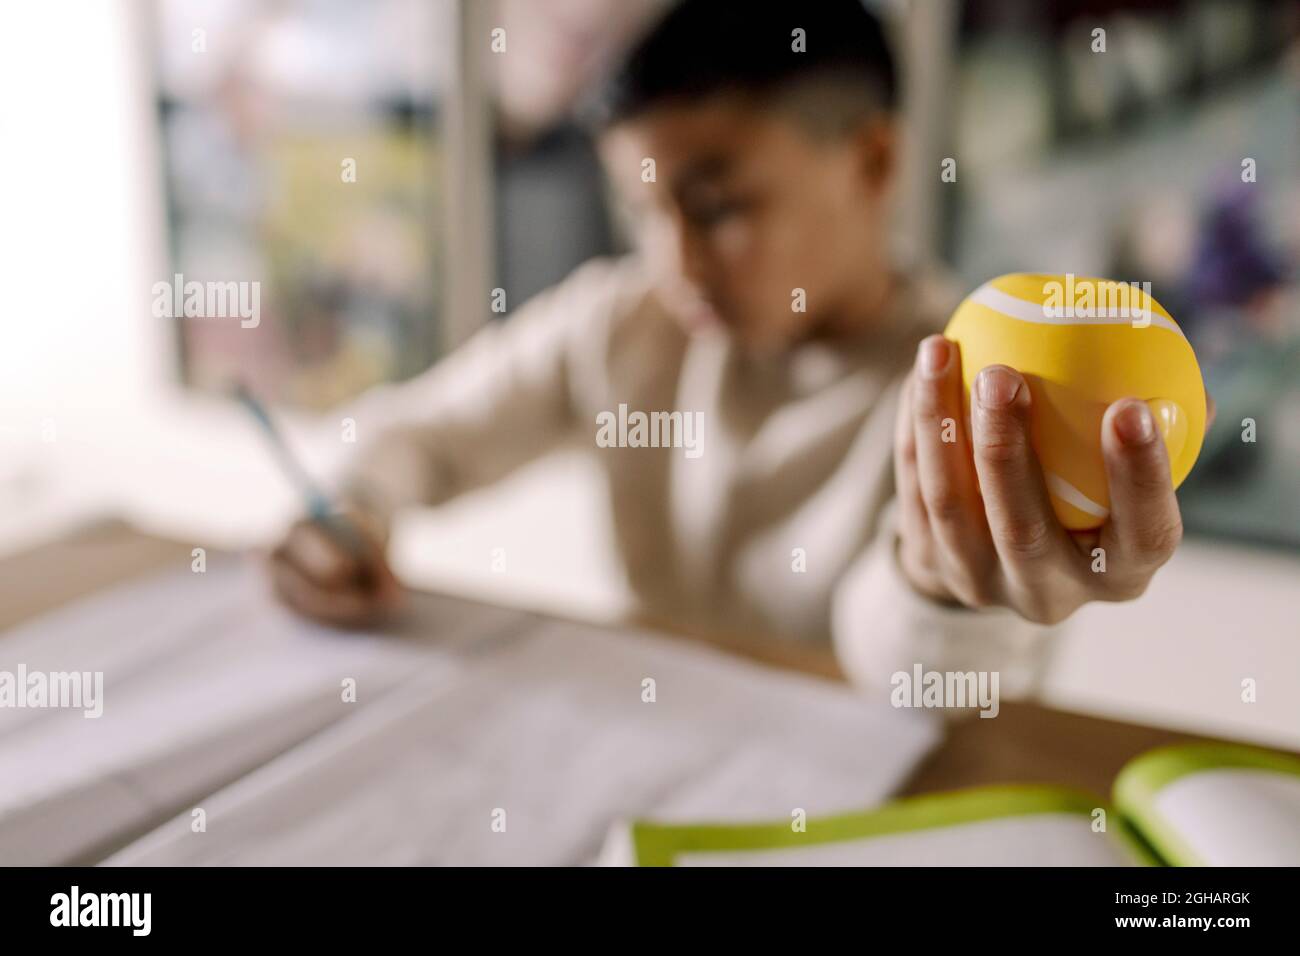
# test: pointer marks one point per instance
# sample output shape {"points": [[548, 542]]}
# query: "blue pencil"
{"points": [[320, 509]]}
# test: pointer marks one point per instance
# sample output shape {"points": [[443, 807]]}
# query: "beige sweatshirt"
{"points": [[768, 512]]}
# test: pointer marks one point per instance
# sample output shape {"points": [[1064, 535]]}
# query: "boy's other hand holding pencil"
{"points": [[341, 578]]}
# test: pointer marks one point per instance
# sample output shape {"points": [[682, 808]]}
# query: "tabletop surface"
{"points": [[1027, 742]]}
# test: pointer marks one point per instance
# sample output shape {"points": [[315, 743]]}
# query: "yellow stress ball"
{"points": [[1082, 344]]}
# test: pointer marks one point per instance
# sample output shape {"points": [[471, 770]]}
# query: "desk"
{"points": [[1025, 743]]}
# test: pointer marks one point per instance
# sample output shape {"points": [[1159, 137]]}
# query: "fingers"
{"points": [[944, 472], [319, 556], [383, 584], [342, 607], [975, 517], [916, 544], [1025, 529], [315, 574], [1144, 524]]}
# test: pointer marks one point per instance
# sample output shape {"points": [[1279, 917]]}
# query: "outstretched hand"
{"points": [[976, 524]]}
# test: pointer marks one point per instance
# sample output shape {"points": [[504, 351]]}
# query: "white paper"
{"points": [[205, 678], [532, 752], [1235, 816]]}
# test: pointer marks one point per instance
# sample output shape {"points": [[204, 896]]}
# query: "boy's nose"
{"points": [[683, 252]]}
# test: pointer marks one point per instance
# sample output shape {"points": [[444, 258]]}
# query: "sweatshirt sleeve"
{"points": [[502, 399], [880, 626]]}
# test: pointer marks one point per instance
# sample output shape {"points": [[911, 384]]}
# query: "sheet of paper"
{"points": [[1235, 816], [532, 752], [204, 678]]}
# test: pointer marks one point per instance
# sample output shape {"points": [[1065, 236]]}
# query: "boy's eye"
{"points": [[716, 211]]}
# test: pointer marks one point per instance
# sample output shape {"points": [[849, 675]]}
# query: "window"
{"points": [[303, 148]]}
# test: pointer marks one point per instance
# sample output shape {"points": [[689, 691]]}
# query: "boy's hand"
{"points": [[338, 582], [976, 525]]}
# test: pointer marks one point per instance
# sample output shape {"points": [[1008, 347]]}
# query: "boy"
{"points": [[823, 502]]}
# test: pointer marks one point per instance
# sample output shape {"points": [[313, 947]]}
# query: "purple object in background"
{"points": [[1232, 262]]}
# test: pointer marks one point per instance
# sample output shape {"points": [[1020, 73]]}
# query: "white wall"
{"points": [[78, 210], [77, 201]]}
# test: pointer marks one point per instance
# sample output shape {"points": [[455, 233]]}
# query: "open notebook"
{"points": [[1218, 805]]}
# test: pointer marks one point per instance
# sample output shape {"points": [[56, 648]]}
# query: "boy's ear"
{"points": [[876, 142]]}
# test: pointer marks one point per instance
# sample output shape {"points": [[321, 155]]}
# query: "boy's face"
{"points": [[747, 207]]}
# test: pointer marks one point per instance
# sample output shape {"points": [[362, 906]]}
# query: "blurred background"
{"points": [[144, 139]]}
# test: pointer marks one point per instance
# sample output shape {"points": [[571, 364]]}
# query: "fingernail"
{"points": [[933, 355], [1133, 424], [997, 387]]}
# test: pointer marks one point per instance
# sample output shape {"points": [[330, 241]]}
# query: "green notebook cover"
{"points": [[1133, 820], [1141, 780]]}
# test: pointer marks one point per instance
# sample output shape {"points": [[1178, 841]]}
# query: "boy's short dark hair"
{"points": [[703, 48]]}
